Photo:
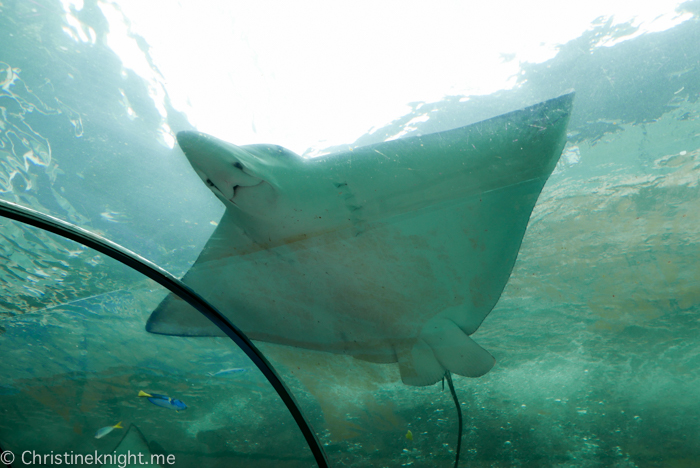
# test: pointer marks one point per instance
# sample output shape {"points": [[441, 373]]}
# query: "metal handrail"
{"points": [[69, 231]]}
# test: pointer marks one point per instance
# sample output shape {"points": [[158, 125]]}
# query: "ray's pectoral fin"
{"points": [[443, 345], [175, 317]]}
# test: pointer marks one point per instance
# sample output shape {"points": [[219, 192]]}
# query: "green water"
{"points": [[595, 336]]}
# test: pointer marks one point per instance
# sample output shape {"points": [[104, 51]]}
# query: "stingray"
{"points": [[393, 252]]}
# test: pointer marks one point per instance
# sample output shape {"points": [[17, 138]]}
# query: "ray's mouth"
{"points": [[236, 189]]}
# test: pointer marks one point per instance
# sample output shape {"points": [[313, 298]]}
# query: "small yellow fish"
{"points": [[106, 430], [409, 435]]}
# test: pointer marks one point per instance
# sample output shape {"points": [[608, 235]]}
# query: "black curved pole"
{"points": [[62, 228]]}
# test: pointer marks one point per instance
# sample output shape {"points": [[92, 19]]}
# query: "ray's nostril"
{"points": [[238, 165]]}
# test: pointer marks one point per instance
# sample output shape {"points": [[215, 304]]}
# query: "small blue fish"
{"points": [[106, 430], [163, 401], [235, 370]]}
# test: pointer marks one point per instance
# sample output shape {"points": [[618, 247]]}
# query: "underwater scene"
{"points": [[405, 208]]}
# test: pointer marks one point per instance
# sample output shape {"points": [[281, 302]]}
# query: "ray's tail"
{"points": [[448, 376]]}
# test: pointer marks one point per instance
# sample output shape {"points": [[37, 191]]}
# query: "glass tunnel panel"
{"points": [[81, 376], [595, 330]]}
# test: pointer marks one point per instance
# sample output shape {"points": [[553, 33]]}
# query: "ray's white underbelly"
{"points": [[372, 289]]}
